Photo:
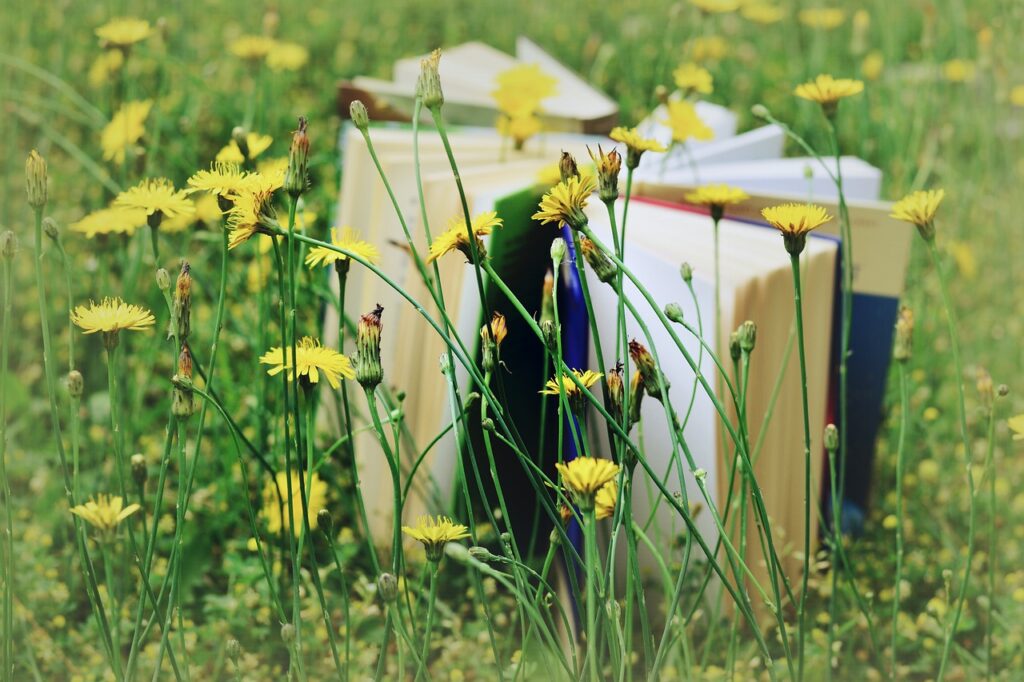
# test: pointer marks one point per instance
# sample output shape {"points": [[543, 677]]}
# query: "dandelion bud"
{"points": [[8, 244], [674, 312], [288, 634], [325, 522], [387, 587], [686, 272], [163, 279], [700, 475], [549, 331], [564, 513], [986, 390], [598, 261], [241, 137], [491, 336], [636, 397], [904, 335], [480, 553], [567, 167], [369, 372], [760, 111], [296, 176], [428, 87], [488, 425], [831, 438], [735, 351], [75, 384], [359, 115], [138, 469], [748, 336], [181, 310], [558, 249], [35, 180], [661, 94], [182, 402], [50, 229], [1003, 390], [652, 376], [615, 391], [233, 650]]}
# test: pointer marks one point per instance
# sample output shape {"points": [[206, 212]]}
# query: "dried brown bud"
{"points": [[567, 166], [608, 167], [652, 376], [598, 261]]}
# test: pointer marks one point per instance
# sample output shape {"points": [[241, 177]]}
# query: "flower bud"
{"points": [[674, 312], [567, 167], [480, 553], [904, 335], [608, 167], [75, 384], [182, 401], [233, 650], [288, 634], [1003, 390], [359, 115], [558, 249], [181, 309], [325, 522], [652, 376], [428, 86], [760, 111], [735, 351], [163, 279], [387, 587], [598, 261], [686, 272], [700, 475], [615, 391], [748, 336], [661, 94], [138, 462], [8, 244], [50, 229], [636, 397], [35, 180], [986, 389], [549, 331], [241, 137], [369, 372], [831, 438], [296, 178], [491, 341]]}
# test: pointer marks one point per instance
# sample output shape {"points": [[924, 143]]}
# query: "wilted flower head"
{"points": [[608, 165], [456, 236], [584, 476], [428, 86], [435, 533], [919, 208], [123, 32], [312, 359], [124, 130], [105, 513], [652, 377]]}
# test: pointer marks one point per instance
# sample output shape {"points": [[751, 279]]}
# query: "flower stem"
{"points": [[425, 657], [900, 453]]}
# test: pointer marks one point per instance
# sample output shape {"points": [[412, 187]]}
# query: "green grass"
{"points": [[920, 128]]}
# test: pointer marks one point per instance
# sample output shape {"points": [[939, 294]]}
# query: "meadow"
{"points": [[134, 413]]}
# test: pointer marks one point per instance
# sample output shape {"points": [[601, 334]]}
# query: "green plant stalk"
{"points": [[8, 596], [430, 619], [344, 603], [954, 341], [593, 566], [990, 469], [900, 453], [108, 572]]}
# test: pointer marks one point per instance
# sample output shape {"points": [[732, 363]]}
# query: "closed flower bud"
{"points": [[35, 180], [700, 475], [735, 351], [1003, 390], [233, 650], [598, 261], [138, 469], [181, 310], [748, 336], [8, 244], [480, 553], [686, 272], [50, 228], [661, 94], [387, 587], [567, 167], [674, 312], [636, 397], [359, 115], [652, 376], [296, 178], [182, 401], [288, 634], [608, 167], [615, 391], [903, 346], [241, 137], [325, 522], [831, 438], [760, 111], [75, 384], [428, 87], [558, 249], [163, 279], [491, 336], [549, 331], [369, 372]]}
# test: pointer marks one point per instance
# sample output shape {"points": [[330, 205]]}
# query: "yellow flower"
{"points": [[708, 48], [435, 533], [958, 71], [1016, 424], [105, 512], [111, 316], [605, 500], [252, 47], [106, 64], [685, 123], [717, 196], [763, 13], [156, 196], [564, 203], [634, 141], [348, 239], [275, 508], [223, 178], [585, 476], [796, 219], [519, 128], [251, 208], [456, 236], [966, 261], [182, 221], [588, 378], [691, 77], [871, 67], [256, 143], [514, 104], [716, 6], [287, 57], [919, 208], [822, 17], [112, 220], [826, 90], [499, 326], [527, 81], [125, 129], [123, 32], [311, 359], [1017, 95]]}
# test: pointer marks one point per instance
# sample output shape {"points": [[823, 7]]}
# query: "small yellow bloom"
{"points": [[634, 141], [256, 143], [287, 57], [123, 32], [871, 67], [694, 78], [717, 196], [498, 325], [958, 71], [966, 261], [519, 128], [763, 13], [707, 48], [685, 123], [919, 208], [311, 359], [435, 533], [1017, 96], [106, 64], [456, 236], [585, 476], [125, 129], [588, 378], [105, 512], [252, 48], [156, 196], [526, 81], [111, 316], [826, 18], [826, 90], [223, 178], [564, 203], [1016, 424], [796, 219], [716, 6], [349, 240], [275, 507], [112, 220], [605, 500]]}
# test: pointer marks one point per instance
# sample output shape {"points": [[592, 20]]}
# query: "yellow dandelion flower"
{"points": [[717, 197], [826, 18], [588, 378], [223, 178], [180, 222], [251, 209], [311, 359], [111, 220], [1016, 424], [606, 499], [499, 326], [434, 533], [919, 208], [795, 219], [125, 129], [585, 476], [692, 77], [106, 64], [456, 236], [763, 13], [347, 239], [716, 6], [255, 142], [123, 32], [1017, 96], [966, 261], [514, 104], [707, 48], [564, 203], [685, 123], [287, 57], [156, 196], [636, 144], [105, 512], [827, 91], [519, 128], [275, 506], [871, 67], [111, 316], [958, 71], [527, 81], [251, 48]]}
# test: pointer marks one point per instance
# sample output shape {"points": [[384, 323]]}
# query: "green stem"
{"points": [[8, 559], [993, 555], [900, 452], [425, 657], [592, 566]]}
